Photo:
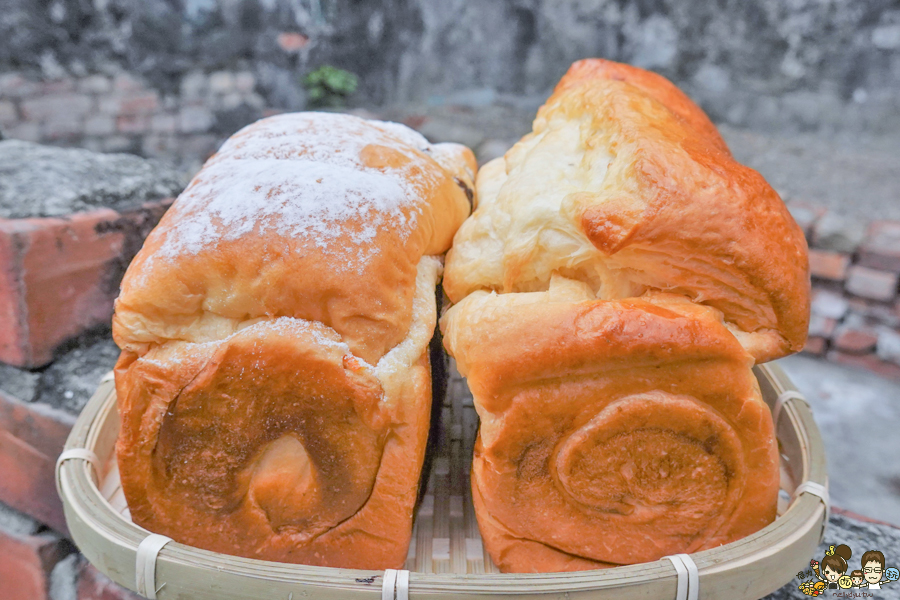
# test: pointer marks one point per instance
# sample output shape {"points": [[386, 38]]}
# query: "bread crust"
{"points": [[274, 384], [321, 217], [625, 184], [612, 432], [618, 279]]}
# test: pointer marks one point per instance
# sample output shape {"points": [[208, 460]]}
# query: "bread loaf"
{"points": [[274, 385], [626, 185], [618, 279]]}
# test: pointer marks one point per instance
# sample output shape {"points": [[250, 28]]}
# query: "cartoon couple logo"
{"points": [[871, 575]]}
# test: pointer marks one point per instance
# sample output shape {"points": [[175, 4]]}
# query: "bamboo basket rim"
{"points": [[110, 542]]}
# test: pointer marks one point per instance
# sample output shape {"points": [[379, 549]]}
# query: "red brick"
{"points": [[62, 266], [881, 249], [94, 585], [59, 277], [31, 439], [140, 104], [26, 562], [816, 346], [871, 283], [828, 265], [13, 329], [291, 41], [869, 362], [855, 341]]}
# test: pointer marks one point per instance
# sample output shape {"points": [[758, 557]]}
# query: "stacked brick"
{"points": [[855, 268], [123, 114], [60, 276], [39, 564]]}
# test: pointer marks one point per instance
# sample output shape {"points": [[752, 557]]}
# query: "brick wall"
{"points": [[855, 267], [38, 564], [122, 113]]}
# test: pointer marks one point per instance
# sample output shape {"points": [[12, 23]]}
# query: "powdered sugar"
{"points": [[291, 198], [301, 176], [326, 137]]}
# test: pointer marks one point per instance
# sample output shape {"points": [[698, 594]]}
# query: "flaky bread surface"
{"points": [[626, 185]]}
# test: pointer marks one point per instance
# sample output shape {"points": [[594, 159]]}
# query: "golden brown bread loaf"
{"points": [[618, 279], [274, 384], [612, 432], [625, 184]]}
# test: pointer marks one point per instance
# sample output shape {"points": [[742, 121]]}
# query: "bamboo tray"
{"points": [[446, 558]]}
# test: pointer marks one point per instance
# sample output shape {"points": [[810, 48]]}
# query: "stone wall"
{"points": [[125, 113], [855, 268], [770, 64]]}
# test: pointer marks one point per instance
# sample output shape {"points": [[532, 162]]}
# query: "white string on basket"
{"points": [[395, 585], [388, 585], [76, 453], [403, 585], [688, 587], [784, 398], [145, 564], [681, 571], [816, 489]]}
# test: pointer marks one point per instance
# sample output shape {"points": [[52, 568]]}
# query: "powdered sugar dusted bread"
{"points": [[274, 383], [618, 279]]}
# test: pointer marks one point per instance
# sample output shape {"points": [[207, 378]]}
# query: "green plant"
{"points": [[329, 86]]}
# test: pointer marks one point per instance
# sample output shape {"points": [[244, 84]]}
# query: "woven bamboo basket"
{"points": [[446, 558]]}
